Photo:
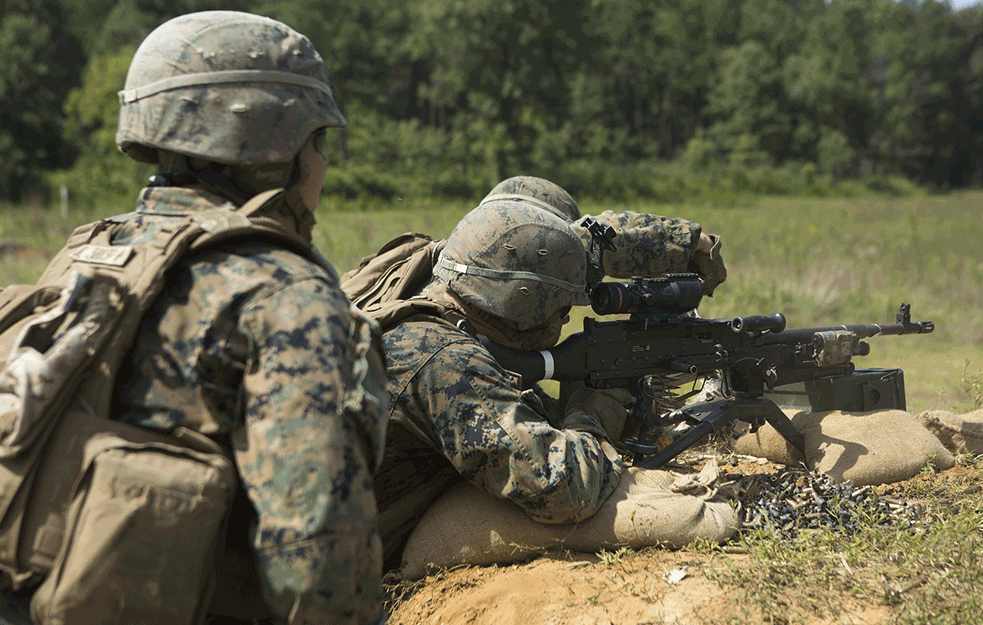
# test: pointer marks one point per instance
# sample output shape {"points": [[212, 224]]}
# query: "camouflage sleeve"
{"points": [[647, 245], [553, 406], [498, 439], [306, 455]]}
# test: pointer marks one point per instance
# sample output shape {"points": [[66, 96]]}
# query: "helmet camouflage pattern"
{"points": [[538, 192], [515, 261], [227, 87]]}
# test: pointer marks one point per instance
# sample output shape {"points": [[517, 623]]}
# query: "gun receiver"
{"points": [[663, 345]]}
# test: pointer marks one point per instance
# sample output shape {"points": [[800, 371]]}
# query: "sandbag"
{"points": [[869, 448], [961, 434], [648, 508]]}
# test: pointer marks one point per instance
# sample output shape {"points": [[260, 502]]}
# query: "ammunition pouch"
{"points": [[122, 523]]}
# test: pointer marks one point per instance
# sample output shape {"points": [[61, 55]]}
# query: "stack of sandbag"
{"points": [[868, 448], [961, 434], [649, 507]]}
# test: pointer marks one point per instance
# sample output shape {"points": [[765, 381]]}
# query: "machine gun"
{"points": [[663, 345]]}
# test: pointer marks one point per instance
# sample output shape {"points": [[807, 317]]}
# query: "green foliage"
{"points": [[448, 97], [102, 175], [607, 558], [40, 60], [972, 385], [834, 152]]}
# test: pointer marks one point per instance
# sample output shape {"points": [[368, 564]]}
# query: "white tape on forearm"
{"points": [[547, 364]]}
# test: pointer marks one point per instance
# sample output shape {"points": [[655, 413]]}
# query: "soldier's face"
{"points": [[313, 167]]}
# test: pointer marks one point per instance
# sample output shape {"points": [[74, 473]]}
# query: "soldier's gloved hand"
{"points": [[609, 407], [708, 262]]}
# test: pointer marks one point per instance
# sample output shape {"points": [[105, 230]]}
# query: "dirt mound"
{"points": [[651, 586], [928, 572]]}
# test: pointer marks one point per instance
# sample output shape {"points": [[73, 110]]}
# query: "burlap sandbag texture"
{"points": [[469, 526], [961, 434], [868, 448]]}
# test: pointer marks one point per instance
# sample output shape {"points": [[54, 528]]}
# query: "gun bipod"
{"points": [[713, 416]]}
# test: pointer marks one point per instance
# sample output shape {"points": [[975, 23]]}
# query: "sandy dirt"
{"points": [[645, 587], [653, 586]]}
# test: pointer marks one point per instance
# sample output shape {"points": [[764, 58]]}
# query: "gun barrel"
{"points": [[862, 330]]}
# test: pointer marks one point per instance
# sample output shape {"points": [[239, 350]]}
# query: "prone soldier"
{"points": [[511, 270]]}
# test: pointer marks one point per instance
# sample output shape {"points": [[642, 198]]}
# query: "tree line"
{"points": [[447, 97]]}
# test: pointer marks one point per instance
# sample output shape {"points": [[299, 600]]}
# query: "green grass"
{"points": [[926, 573], [820, 262]]}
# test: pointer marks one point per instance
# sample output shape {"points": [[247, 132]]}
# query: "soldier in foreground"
{"points": [[251, 344]]}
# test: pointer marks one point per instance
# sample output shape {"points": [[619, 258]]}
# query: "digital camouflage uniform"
{"points": [[254, 343], [454, 413], [251, 344], [647, 245]]}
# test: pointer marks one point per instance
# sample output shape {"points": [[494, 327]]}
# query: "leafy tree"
{"points": [[834, 152], [102, 174], [449, 96], [753, 125], [827, 82], [40, 62], [128, 22]]}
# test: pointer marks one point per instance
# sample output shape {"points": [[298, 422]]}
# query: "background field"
{"points": [[820, 262]]}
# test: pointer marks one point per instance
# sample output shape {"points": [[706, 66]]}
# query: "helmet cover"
{"points": [[225, 86], [515, 261], [538, 192]]}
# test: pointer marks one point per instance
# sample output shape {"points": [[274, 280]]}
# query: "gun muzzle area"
{"points": [[925, 327], [755, 324]]}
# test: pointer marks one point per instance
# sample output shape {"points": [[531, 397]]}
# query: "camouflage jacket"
{"points": [[256, 346], [647, 245], [455, 413]]}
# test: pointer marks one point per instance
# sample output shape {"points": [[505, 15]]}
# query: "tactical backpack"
{"points": [[61, 345], [384, 283]]}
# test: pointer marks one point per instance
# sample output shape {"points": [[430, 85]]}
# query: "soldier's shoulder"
{"points": [[422, 336], [264, 260], [253, 272]]}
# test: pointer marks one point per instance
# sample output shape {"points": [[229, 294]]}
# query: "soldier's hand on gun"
{"points": [[609, 407], [708, 262]]}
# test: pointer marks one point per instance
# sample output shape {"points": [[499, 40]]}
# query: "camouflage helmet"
{"points": [[227, 87], [538, 192], [515, 261]]}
